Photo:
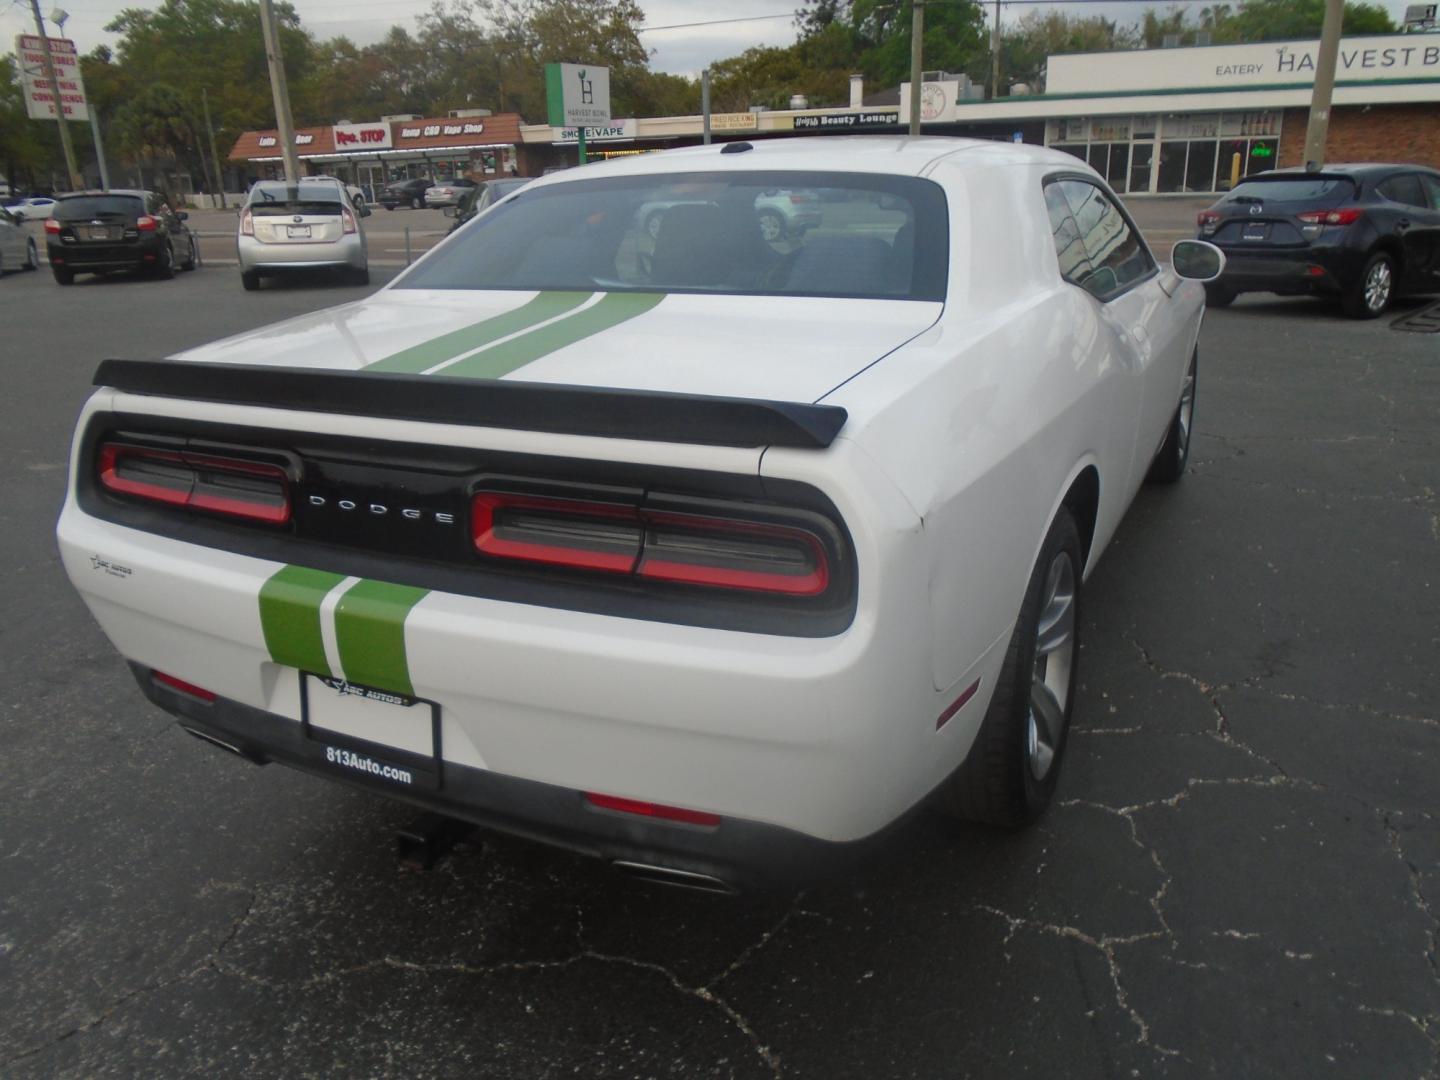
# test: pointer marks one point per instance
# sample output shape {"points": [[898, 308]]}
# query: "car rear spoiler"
{"points": [[561, 410]]}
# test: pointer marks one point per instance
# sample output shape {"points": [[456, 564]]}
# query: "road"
{"points": [[1241, 876]]}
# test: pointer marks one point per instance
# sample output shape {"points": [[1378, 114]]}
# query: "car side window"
{"points": [[1069, 248], [1432, 188], [1117, 257], [1403, 189]]}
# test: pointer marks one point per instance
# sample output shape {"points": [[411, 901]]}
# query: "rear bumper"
{"points": [[83, 258], [254, 255], [734, 854], [1290, 271]]}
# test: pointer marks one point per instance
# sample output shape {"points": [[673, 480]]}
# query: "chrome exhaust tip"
{"points": [[216, 742], [677, 879]]}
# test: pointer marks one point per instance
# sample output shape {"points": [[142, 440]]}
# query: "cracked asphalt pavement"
{"points": [[1240, 878]]}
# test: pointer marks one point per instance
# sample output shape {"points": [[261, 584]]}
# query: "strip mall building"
{"points": [[1156, 121]]}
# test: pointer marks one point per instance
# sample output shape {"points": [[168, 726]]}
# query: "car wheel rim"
{"points": [[32, 255], [769, 228], [1054, 660], [1187, 411], [1377, 286]]}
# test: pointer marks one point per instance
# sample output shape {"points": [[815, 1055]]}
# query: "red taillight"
{"points": [[653, 810], [184, 687], [1347, 216], [52, 226], [621, 538], [349, 219], [1207, 217], [247, 224], [146, 223], [237, 488]]}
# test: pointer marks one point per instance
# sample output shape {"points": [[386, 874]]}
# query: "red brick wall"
{"points": [[1408, 133]]}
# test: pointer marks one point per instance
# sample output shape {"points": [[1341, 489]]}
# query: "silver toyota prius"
{"points": [[285, 227]]}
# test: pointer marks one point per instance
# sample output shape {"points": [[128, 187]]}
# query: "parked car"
{"points": [[17, 247], [98, 232], [709, 560], [1362, 233], [448, 192], [307, 226], [355, 194], [781, 214], [409, 193], [33, 208], [480, 198]]}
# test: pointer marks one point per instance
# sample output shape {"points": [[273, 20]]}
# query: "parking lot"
{"points": [[1241, 876]]}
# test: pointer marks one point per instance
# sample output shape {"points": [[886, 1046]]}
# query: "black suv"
{"points": [[409, 193], [94, 232], [1363, 233]]}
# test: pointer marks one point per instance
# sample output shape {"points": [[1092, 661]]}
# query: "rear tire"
{"points": [[360, 277], [32, 255], [1370, 294], [250, 279], [417, 203], [1219, 295], [1010, 774], [1169, 464], [64, 277], [165, 267], [192, 261]]}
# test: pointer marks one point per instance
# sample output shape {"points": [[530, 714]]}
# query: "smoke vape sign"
{"points": [[577, 95]]}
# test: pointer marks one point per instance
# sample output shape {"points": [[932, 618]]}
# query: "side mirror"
{"points": [[1195, 260], [448, 211]]}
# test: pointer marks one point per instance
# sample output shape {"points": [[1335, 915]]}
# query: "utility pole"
{"points": [[99, 147], [917, 48], [705, 105], [279, 90], [1319, 125], [214, 157], [76, 183], [995, 56]]}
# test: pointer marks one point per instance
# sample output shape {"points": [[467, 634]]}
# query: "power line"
{"points": [[713, 22]]}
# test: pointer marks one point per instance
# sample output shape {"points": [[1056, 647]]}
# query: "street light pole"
{"points": [[917, 48], [76, 183], [1319, 125], [279, 91]]}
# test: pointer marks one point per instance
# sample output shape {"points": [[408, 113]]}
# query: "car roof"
{"points": [[1358, 169], [891, 154]]}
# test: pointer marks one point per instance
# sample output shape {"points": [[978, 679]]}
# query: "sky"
{"points": [[683, 50]]}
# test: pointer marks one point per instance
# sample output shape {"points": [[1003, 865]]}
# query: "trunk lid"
{"points": [[1262, 211]]}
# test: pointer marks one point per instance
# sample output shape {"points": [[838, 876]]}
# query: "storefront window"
{"points": [[1142, 156], [1200, 167]]}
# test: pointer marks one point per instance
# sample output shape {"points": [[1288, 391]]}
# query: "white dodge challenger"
{"points": [[702, 554]]}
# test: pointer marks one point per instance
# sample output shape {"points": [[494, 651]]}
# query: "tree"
{"points": [[1025, 47], [1260, 20], [28, 148]]}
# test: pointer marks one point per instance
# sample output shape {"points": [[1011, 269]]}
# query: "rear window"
{"points": [[750, 233], [1300, 189], [274, 200], [93, 206]]}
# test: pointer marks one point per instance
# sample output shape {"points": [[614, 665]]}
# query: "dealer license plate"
{"points": [[372, 734], [298, 232], [1258, 230]]}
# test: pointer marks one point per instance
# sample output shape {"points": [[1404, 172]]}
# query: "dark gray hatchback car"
{"points": [[1362, 233], [96, 232]]}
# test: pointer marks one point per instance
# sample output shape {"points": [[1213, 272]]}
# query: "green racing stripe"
{"points": [[370, 633], [612, 310], [290, 617], [427, 354]]}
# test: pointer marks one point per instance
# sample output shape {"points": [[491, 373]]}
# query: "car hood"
{"points": [[765, 347]]}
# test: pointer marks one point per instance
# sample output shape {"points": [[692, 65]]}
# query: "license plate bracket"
{"points": [[1255, 230], [375, 736], [298, 232]]}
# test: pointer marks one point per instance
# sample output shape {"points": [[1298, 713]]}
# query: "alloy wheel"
{"points": [[1378, 283], [1054, 660]]}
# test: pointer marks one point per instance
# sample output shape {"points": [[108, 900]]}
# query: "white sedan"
{"points": [[697, 553], [36, 208]]}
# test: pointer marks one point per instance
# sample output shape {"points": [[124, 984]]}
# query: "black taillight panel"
{"points": [[671, 545]]}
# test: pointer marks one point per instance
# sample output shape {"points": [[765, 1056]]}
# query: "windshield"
{"points": [[275, 199], [753, 233], [93, 206]]}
